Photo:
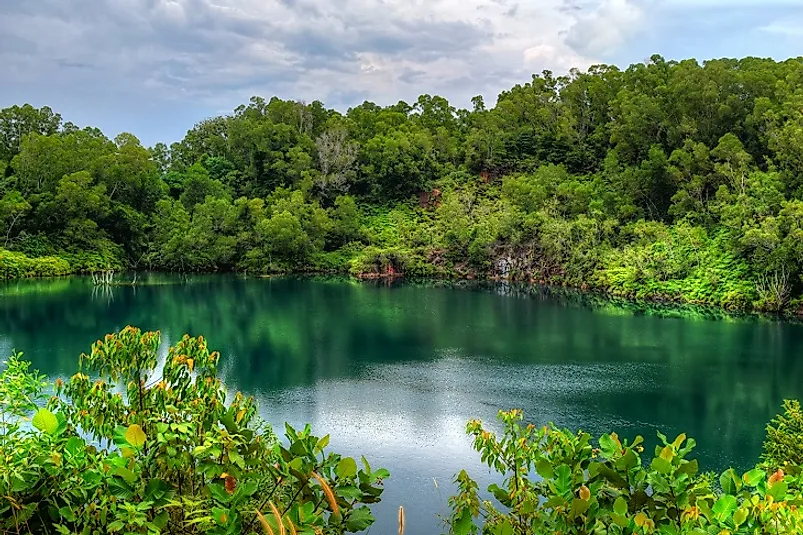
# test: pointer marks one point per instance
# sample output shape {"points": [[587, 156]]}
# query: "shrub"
{"points": [[17, 266], [583, 489], [784, 442], [127, 446]]}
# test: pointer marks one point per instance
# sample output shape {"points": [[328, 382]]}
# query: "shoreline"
{"points": [[589, 295]]}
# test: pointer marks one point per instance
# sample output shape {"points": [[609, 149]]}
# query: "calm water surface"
{"points": [[395, 372]]}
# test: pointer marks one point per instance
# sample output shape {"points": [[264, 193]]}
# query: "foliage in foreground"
{"points": [[582, 490], [133, 445]]}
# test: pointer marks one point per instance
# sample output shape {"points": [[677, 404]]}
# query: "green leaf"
{"points": [[120, 489], [464, 524], [690, 468], [161, 520], [62, 427], [135, 436], [228, 422], [74, 446], [740, 516], [155, 489], [346, 468], [322, 443], [359, 519], [754, 477], [729, 482], [608, 446], [620, 520], [500, 494], [236, 458], [349, 491], [725, 506], [544, 469], [125, 473], [563, 479], [45, 421], [579, 507], [778, 490], [67, 514], [660, 465], [620, 506], [505, 528]]}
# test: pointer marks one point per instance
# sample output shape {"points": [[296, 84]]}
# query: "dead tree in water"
{"points": [[103, 278]]}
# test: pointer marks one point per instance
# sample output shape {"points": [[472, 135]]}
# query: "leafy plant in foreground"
{"points": [[582, 490], [130, 444]]}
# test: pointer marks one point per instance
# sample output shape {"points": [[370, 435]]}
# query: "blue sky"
{"points": [[155, 67]]}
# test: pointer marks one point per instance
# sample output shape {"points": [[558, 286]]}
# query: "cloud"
{"points": [[221, 50], [212, 55], [604, 28], [785, 28]]}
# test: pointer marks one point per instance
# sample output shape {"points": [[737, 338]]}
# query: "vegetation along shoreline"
{"points": [[678, 181]]}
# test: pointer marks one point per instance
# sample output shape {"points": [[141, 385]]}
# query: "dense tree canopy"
{"points": [[677, 180]]}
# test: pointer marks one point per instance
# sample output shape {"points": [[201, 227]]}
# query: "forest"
{"points": [[668, 180]]}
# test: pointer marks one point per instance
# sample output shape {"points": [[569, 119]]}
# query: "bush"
{"points": [[126, 447], [784, 442], [585, 489], [18, 266], [380, 262], [90, 262]]}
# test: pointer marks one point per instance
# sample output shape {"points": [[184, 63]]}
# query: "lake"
{"points": [[395, 371]]}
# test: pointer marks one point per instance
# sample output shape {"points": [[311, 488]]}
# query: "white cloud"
{"points": [[221, 51], [606, 27], [785, 28]]}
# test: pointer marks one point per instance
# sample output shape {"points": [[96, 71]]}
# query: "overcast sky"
{"points": [[155, 67]]}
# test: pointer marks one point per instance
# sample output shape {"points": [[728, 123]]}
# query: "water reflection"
{"points": [[395, 371]]}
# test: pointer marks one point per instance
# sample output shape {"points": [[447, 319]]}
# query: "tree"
{"points": [[283, 239], [17, 122], [198, 185], [337, 156], [12, 207]]}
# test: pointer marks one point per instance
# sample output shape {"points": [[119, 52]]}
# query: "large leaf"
{"points": [[129, 476], [346, 468], [120, 489], [359, 519], [725, 506], [608, 446], [778, 490], [135, 436], [754, 477], [563, 479], [45, 421], [729, 482], [464, 524], [505, 528], [661, 465], [620, 506], [544, 469]]}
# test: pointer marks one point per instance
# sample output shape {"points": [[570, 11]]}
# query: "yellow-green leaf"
{"points": [[640, 519], [45, 421], [347, 467], [135, 436], [740, 516]]}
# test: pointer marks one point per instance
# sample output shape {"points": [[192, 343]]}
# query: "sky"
{"points": [[156, 67]]}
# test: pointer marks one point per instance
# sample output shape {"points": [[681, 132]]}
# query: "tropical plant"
{"points": [[138, 443], [581, 489]]}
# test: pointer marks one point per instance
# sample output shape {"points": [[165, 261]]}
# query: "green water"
{"points": [[394, 372]]}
